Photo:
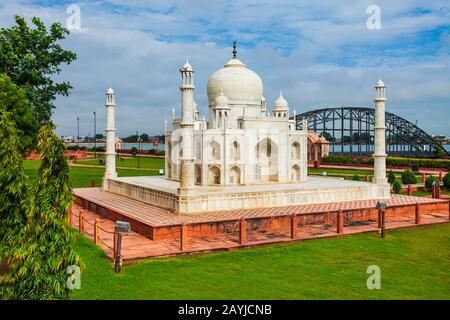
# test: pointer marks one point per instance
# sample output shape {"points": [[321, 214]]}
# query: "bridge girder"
{"points": [[347, 126]]}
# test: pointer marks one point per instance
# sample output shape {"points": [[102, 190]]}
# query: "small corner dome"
{"points": [[221, 100], [187, 66], [280, 103], [380, 83], [110, 91]]}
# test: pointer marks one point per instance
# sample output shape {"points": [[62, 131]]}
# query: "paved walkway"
{"points": [[155, 216]]}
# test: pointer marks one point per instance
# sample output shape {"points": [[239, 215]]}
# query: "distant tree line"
{"points": [[144, 138]]}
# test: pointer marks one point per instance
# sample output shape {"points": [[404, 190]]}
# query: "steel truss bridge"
{"points": [[350, 131]]}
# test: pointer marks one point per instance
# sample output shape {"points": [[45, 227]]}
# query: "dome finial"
{"points": [[234, 50]]}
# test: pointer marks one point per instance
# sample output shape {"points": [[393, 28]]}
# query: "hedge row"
{"points": [[392, 161]]}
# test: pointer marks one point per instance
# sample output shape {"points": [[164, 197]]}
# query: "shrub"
{"points": [[356, 178], [99, 149], [396, 186], [447, 181], [337, 159], [101, 161], [408, 177], [75, 147], [421, 162], [391, 177], [134, 151], [429, 182]]}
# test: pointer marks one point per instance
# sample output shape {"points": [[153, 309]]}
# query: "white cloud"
{"points": [[137, 48]]}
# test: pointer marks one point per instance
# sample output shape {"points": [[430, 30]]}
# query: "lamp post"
{"points": [[95, 135], [78, 132], [139, 148], [381, 206]]}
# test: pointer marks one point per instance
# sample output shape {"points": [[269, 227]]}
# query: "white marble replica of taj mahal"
{"points": [[242, 155]]}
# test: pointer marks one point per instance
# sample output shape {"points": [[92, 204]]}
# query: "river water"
{"points": [[148, 146]]}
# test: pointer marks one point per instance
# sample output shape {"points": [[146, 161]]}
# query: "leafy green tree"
{"points": [[31, 57], [13, 100], [39, 267], [429, 182], [13, 186], [327, 136], [408, 177], [447, 181], [391, 177], [396, 186]]}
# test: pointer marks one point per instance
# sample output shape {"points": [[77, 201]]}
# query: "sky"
{"points": [[319, 53]]}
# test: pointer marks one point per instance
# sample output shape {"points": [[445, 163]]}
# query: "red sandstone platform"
{"points": [[157, 217]]}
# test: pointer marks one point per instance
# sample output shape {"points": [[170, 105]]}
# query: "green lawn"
{"points": [[82, 176], [129, 162], [415, 264]]}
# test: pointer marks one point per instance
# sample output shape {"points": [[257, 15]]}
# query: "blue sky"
{"points": [[320, 53]]}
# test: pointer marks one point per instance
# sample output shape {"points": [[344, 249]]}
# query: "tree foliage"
{"points": [[396, 186], [38, 267], [391, 177], [447, 181], [429, 182], [13, 186], [408, 177], [13, 100], [31, 57]]}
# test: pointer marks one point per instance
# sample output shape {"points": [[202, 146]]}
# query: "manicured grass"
{"points": [[82, 176], [129, 162], [414, 263], [421, 193]]}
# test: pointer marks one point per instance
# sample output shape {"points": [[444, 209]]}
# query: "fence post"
{"points": [[441, 178], [423, 177], [367, 178], [69, 216], [383, 223], [115, 236], [81, 221], [184, 240], [93, 183], [242, 231], [340, 221], [409, 190], [118, 253], [97, 231], [294, 226], [380, 218], [418, 216], [449, 210]]}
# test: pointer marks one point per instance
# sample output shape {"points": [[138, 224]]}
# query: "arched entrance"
{"points": [[198, 173], [235, 175], [295, 173], [267, 160], [295, 150], [214, 175]]}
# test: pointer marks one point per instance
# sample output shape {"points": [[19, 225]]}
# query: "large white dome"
{"points": [[239, 84]]}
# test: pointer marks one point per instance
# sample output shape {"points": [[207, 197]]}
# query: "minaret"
{"points": [[380, 135], [110, 171], [187, 126]]}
